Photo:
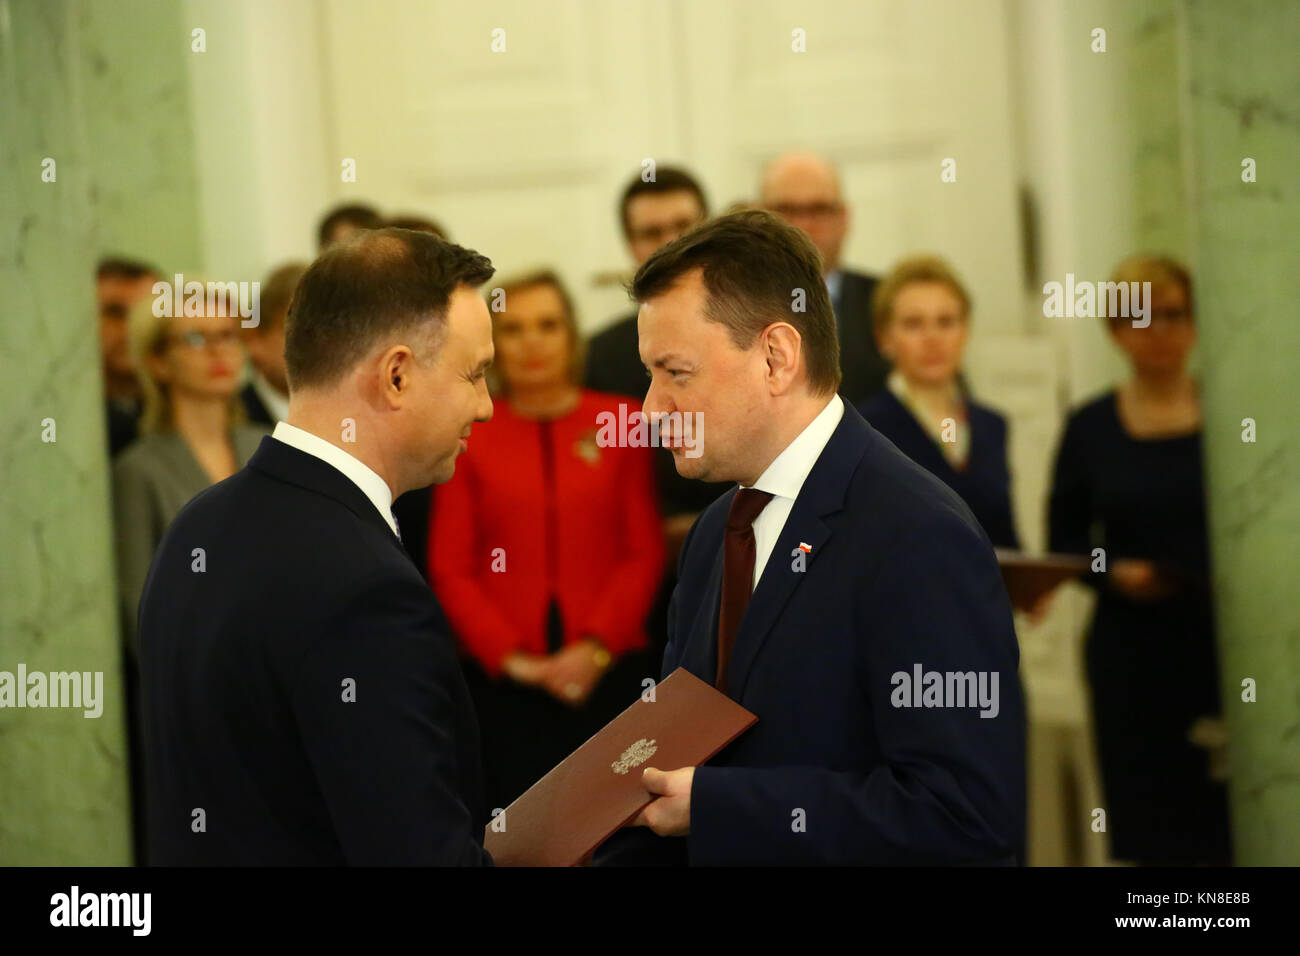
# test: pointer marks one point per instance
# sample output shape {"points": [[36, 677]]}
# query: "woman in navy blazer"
{"points": [[922, 318]]}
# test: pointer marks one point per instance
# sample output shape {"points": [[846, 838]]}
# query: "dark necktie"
{"points": [[737, 572]]}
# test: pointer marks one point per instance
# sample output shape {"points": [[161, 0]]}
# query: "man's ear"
{"points": [[782, 348], [395, 367]]}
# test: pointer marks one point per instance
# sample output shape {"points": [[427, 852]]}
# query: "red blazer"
{"points": [[562, 516]]}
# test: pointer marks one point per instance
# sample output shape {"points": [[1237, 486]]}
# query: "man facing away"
{"points": [[841, 593], [303, 705]]}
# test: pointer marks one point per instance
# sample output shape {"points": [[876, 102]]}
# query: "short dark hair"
{"points": [[418, 223], [668, 179], [371, 288], [276, 292], [117, 267], [351, 214], [754, 264]]}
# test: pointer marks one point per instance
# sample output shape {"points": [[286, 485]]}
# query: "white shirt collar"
{"points": [[785, 476], [834, 280], [276, 404], [374, 487]]}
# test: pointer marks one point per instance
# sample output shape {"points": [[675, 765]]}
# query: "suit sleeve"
{"points": [[457, 557], [950, 785], [387, 761], [618, 618], [138, 529]]}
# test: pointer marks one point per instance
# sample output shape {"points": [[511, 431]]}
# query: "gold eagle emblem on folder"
{"points": [[634, 756]]}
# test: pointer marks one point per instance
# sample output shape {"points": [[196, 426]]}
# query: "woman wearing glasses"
{"points": [[1128, 479], [192, 431]]}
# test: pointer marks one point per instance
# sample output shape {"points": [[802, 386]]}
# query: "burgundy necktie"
{"points": [[737, 572]]}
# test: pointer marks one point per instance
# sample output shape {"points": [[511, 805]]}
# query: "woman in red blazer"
{"points": [[546, 548]]}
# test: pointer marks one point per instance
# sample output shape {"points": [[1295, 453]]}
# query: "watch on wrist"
{"points": [[601, 656]]}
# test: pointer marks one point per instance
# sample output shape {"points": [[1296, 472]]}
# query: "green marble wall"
{"points": [[101, 89], [1243, 77]]}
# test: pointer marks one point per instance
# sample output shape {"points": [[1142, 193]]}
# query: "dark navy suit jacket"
{"points": [[305, 598], [985, 481], [899, 574]]}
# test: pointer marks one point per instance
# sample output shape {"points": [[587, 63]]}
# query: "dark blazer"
{"points": [[306, 598], [899, 574], [863, 367], [985, 481], [123, 427], [254, 407], [614, 360]]}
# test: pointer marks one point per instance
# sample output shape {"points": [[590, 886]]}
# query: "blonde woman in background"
{"points": [[921, 315], [192, 435], [192, 432]]}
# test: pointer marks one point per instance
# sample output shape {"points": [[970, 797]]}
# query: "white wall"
{"points": [[260, 123]]}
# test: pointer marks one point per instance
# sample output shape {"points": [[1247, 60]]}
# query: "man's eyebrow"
{"points": [[663, 360]]}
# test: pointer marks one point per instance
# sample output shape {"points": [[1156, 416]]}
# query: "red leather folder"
{"points": [[563, 817]]}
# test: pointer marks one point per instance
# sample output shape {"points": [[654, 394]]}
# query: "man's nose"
{"points": [[484, 409], [656, 403]]}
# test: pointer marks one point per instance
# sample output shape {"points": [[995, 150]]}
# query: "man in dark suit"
{"points": [[119, 285], [303, 703], [804, 189], [653, 213], [266, 396], [842, 593]]}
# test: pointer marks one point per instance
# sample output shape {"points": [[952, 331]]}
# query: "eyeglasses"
{"points": [[812, 210], [662, 233], [196, 340]]}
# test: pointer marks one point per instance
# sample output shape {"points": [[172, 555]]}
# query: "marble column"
{"points": [[1242, 79], [99, 90]]}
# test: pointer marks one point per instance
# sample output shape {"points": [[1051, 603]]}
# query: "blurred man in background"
{"points": [[343, 220], [266, 396], [120, 284], [653, 214], [804, 189]]}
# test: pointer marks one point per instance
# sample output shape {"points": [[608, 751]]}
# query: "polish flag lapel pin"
{"points": [[805, 547]]}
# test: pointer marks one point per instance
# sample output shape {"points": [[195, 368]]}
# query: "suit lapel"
{"points": [[296, 467], [822, 495], [701, 657]]}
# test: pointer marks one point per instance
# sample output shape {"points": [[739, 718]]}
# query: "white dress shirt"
{"points": [[784, 478], [277, 405], [374, 487]]}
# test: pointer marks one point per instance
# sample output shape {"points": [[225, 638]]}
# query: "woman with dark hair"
{"points": [[546, 549], [1128, 490]]}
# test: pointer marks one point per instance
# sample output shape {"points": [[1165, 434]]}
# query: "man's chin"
{"points": [[443, 471], [690, 467]]}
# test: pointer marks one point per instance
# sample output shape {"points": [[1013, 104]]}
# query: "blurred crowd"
{"points": [[553, 556]]}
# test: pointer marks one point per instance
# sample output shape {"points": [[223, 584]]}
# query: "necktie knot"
{"points": [[745, 507]]}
